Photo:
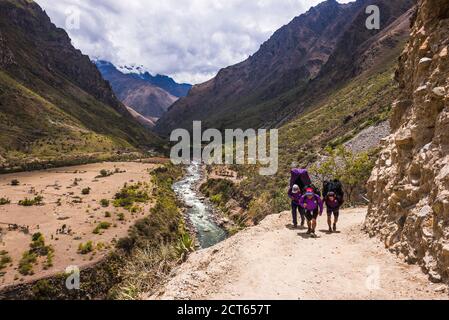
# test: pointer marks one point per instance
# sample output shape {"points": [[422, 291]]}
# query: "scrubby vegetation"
{"points": [[38, 248], [4, 201], [327, 123], [15, 182], [85, 248], [353, 170], [130, 195], [85, 191], [153, 242], [104, 203], [27, 262], [37, 201], [102, 226], [186, 245], [220, 191], [5, 259]]}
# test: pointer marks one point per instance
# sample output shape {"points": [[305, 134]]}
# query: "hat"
{"points": [[295, 189], [309, 192], [331, 194]]}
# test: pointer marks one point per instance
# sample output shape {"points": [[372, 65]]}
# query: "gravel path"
{"points": [[272, 261]]}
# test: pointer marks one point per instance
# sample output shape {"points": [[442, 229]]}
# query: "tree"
{"points": [[352, 169]]}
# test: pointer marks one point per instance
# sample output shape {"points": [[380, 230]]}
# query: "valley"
{"points": [[85, 178]]}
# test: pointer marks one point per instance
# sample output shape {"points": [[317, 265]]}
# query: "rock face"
{"points": [[409, 187]]}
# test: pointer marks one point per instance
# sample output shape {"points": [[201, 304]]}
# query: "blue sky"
{"points": [[188, 40]]}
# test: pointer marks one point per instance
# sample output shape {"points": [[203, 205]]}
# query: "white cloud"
{"points": [[188, 40]]}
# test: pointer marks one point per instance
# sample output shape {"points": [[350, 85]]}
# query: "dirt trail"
{"points": [[272, 261]]}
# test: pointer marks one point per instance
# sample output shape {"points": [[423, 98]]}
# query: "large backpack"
{"points": [[301, 178], [333, 186]]}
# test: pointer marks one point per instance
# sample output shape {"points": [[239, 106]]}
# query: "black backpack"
{"points": [[334, 186]]}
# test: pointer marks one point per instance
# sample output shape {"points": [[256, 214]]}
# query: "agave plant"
{"points": [[186, 245]]}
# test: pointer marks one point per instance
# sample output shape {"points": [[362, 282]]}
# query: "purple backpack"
{"points": [[301, 178]]}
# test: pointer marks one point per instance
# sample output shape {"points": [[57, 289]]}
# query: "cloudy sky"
{"points": [[188, 40]]}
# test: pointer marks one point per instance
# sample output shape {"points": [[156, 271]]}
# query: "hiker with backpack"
{"points": [[334, 199], [313, 206], [333, 205], [295, 195]]}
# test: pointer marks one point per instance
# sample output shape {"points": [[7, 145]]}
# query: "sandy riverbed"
{"points": [[80, 218]]}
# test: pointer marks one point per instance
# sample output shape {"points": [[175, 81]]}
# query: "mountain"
{"points": [[408, 189], [145, 121], [54, 103], [270, 86], [164, 82], [145, 98]]}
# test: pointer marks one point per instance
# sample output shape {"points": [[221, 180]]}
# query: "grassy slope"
{"points": [[360, 103], [35, 128], [44, 115]]}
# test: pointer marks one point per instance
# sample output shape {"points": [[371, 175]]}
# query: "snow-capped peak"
{"points": [[133, 68]]}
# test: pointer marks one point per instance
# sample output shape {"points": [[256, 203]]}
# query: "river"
{"points": [[200, 213]]}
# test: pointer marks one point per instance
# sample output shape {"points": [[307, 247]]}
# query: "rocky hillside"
{"points": [[409, 187], [273, 85], [53, 100], [146, 99]]}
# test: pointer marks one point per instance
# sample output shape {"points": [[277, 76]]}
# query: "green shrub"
{"points": [[38, 246], [121, 216], [49, 261], [15, 182], [37, 201], [104, 174], [217, 199], [4, 201], [86, 191], [104, 203], [102, 226], [107, 214], [86, 248], [185, 246], [129, 195], [26, 263], [5, 259], [44, 290], [219, 191]]}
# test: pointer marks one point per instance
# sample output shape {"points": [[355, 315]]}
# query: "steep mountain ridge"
{"points": [[135, 92], [272, 85], [162, 81], [54, 102], [409, 186]]}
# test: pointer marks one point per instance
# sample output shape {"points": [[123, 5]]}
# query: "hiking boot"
{"points": [[313, 234], [303, 224], [330, 230], [335, 227], [309, 231]]}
